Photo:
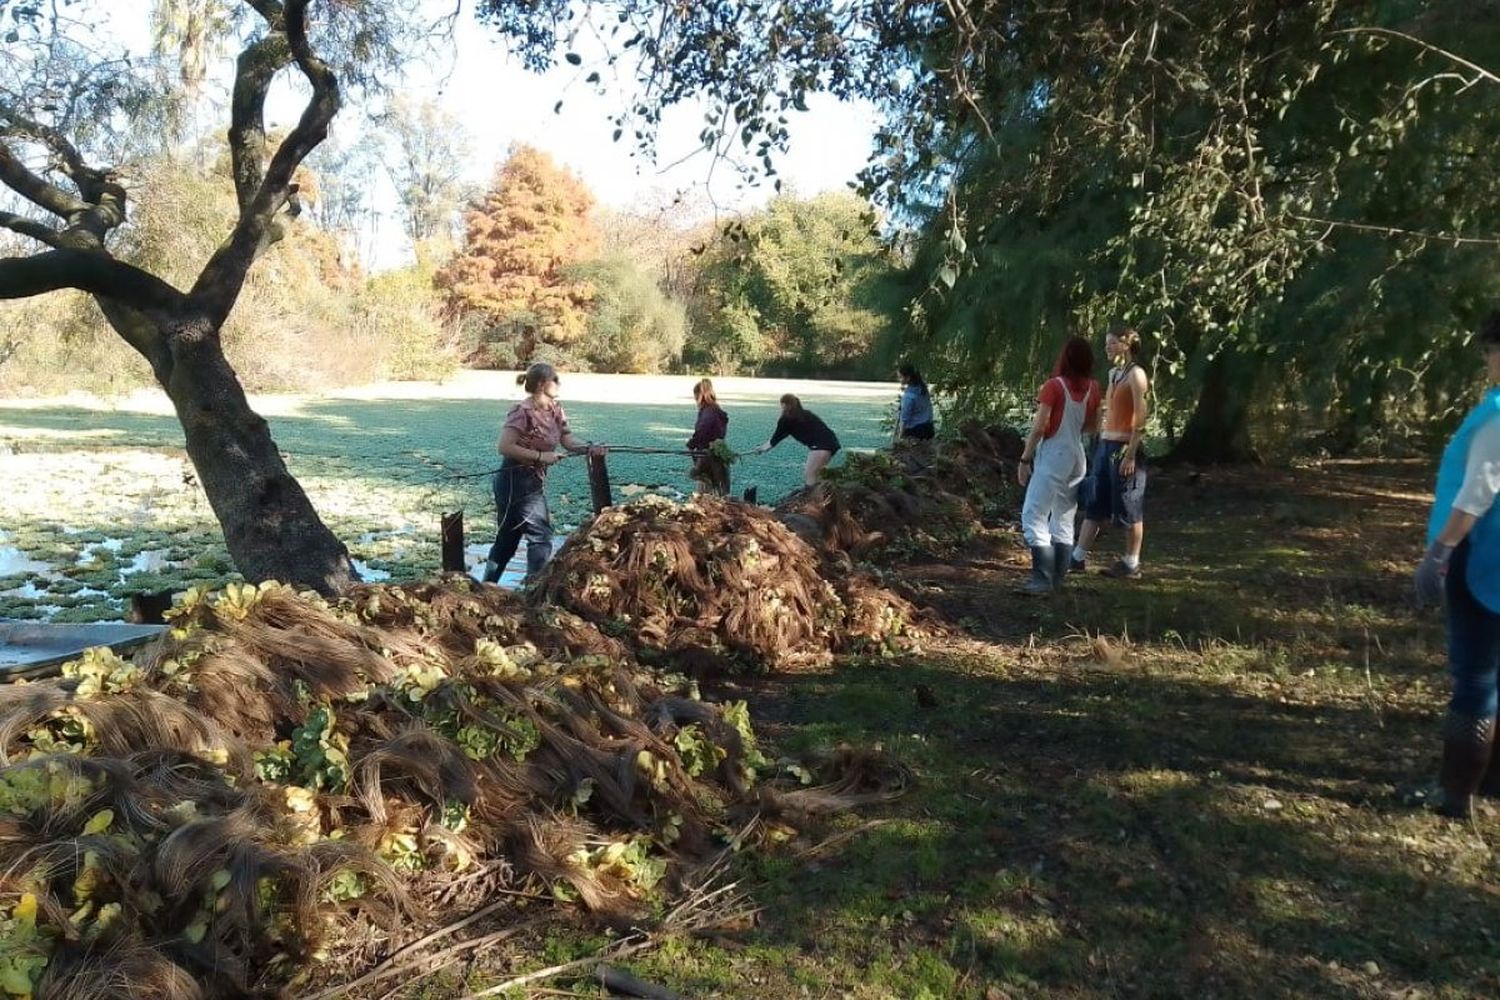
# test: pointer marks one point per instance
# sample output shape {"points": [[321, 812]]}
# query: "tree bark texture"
{"points": [[1218, 432], [270, 526]]}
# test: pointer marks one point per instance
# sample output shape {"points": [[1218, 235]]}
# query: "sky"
{"points": [[499, 103]]}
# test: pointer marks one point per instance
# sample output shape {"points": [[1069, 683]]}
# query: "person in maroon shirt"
{"points": [[711, 471], [528, 444]]}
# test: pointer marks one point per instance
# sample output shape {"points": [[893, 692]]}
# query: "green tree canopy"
{"points": [[790, 289], [632, 325]]}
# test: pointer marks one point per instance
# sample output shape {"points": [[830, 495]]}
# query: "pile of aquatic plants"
{"points": [[714, 585], [935, 493], [202, 822]]}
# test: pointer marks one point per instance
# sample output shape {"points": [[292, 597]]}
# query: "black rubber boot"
{"points": [[1489, 785], [491, 571], [1040, 581], [1468, 742], [1062, 559]]}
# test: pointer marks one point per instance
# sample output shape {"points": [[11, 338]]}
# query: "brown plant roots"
{"points": [[714, 585], [201, 823], [936, 491]]}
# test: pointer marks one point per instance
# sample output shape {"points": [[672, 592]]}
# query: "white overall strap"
{"points": [[1074, 412]]}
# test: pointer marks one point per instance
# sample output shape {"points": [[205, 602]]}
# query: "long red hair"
{"points": [[1075, 362]]}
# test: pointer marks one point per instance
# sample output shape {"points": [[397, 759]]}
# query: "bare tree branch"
{"points": [[68, 157], [23, 181], [39, 231], [90, 271], [222, 278]]}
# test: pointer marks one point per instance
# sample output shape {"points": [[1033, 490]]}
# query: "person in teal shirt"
{"points": [[1462, 569]]}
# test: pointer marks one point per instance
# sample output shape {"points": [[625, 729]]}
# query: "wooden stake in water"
{"points": [[599, 491], [452, 534]]}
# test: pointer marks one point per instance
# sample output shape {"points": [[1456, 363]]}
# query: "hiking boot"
{"points": [[1076, 565], [1040, 581], [1489, 785], [1123, 571], [1062, 560], [1468, 741]]}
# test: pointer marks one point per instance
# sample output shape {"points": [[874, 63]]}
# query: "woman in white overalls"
{"points": [[1053, 464]]}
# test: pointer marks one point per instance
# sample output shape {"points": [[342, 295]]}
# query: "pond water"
{"points": [[379, 463]]}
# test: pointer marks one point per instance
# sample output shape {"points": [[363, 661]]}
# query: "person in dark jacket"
{"points": [[807, 429], [713, 424]]}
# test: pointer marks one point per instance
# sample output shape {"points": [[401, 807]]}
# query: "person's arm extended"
{"points": [[511, 448], [1033, 439], [1138, 426], [777, 436], [578, 446]]}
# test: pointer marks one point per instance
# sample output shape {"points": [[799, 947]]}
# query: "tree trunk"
{"points": [[1218, 433], [270, 526]]}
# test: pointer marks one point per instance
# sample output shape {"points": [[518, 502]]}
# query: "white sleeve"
{"points": [[1482, 475]]}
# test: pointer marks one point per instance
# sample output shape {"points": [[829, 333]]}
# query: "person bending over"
{"points": [[807, 429]]}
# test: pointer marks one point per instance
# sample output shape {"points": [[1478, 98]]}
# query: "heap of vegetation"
{"points": [[717, 585], [933, 495], [203, 820]]}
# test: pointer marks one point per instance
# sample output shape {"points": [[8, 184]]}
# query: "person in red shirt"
{"points": [[1053, 464]]}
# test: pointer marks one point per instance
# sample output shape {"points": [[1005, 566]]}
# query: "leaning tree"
{"points": [[65, 113]]}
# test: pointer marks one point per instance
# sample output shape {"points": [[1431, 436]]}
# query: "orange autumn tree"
{"points": [[512, 278]]}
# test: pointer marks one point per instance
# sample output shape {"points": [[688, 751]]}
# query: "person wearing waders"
{"points": [[1116, 489], [1053, 464], [528, 444], [1461, 569]]}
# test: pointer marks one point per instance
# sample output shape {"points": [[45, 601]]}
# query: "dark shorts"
{"points": [[1108, 496], [922, 432]]}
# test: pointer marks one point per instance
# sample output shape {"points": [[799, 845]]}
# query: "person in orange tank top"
{"points": [[1116, 486]]}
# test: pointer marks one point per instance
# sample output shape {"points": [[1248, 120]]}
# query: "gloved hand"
{"points": [[1431, 574]]}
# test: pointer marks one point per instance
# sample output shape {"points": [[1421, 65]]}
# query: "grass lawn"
{"points": [[1180, 787]]}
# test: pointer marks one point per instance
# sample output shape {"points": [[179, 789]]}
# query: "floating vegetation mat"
{"points": [[207, 820], [714, 585]]}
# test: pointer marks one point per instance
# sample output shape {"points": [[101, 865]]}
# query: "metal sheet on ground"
{"points": [[32, 647]]}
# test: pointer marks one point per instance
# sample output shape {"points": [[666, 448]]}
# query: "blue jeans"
{"points": [[521, 510], [1106, 495], [1473, 644]]}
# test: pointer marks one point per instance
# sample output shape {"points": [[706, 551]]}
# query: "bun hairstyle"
{"points": [[1129, 338], [791, 405], [703, 392], [538, 375]]}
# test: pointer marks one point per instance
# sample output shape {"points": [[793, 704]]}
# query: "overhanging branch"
{"points": [[23, 181], [38, 231], [90, 271]]}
